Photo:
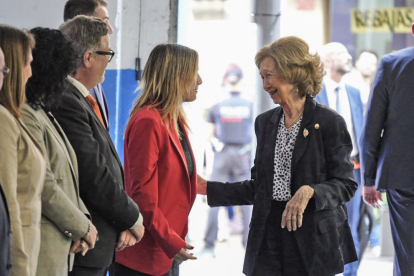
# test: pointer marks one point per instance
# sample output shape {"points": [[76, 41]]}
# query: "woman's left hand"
{"points": [[293, 215]]}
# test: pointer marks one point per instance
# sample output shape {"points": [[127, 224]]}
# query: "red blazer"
{"points": [[156, 178]]}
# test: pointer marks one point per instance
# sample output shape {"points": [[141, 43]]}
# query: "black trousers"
{"points": [[117, 269], [279, 253], [401, 207], [88, 271]]}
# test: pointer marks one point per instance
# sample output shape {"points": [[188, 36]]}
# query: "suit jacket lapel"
{"points": [[57, 131], [23, 126], [269, 147], [357, 111], [177, 145], [60, 136], [301, 141], [86, 105], [193, 179], [322, 97]]}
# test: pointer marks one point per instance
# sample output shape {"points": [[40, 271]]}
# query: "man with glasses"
{"points": [[96, 8], [101, 177], [5, 230]]}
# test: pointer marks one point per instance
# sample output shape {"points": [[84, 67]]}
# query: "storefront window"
{"points": [[379, 25]]}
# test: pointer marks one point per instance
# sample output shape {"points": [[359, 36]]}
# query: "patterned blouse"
{"points": [[285, 143]]}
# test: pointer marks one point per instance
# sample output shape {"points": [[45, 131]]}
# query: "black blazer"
{"points": [[5, 235], [101, 177], [387, 161], [321, 160]]}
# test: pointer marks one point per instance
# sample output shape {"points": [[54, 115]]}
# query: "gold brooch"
{"points": [[316, 126], [305, 132]]}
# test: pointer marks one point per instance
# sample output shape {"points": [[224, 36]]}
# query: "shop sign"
{"points": [[396, 20]]}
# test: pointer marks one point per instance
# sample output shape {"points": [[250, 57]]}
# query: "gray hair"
{"points": [[85, 33]]}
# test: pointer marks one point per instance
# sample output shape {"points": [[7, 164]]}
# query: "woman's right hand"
{"points": [[292, 217], [182, 255], [201, 185], [79, 246]]}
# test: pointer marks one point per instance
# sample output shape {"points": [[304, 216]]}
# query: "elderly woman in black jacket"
{"points": [[302, 175]]}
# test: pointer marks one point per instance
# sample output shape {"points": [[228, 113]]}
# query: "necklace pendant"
{"points": [[305, 133]]}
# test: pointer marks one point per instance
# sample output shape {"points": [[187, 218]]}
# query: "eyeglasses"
{"points": [[5, 71], [109, 55]]}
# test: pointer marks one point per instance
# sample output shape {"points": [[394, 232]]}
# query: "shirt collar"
{"points": [[79, 86], [331, 85]]}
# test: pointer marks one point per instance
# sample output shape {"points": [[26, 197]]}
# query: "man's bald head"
{"points": [[335, 58]]}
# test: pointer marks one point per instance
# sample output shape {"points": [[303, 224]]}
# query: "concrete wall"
{"points": [[139, 25]]}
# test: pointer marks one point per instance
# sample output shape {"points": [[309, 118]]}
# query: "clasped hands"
{"points": [[130, 237], [87, 242], [126, 238], [292, 217]]}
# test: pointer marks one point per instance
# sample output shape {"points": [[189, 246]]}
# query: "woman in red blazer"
{"points": [[160, 171]]}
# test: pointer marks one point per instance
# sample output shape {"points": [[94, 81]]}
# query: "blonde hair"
{"points": [[85, 33], [16, 45], [168, 76], [294, 62]]}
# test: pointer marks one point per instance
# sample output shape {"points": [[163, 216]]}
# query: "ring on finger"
{"points": [[293, 217]]}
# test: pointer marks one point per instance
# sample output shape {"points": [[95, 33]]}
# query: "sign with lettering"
{"points": [[396, 20]]}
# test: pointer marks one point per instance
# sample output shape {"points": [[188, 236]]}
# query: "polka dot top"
{"points": [[285, 143]]}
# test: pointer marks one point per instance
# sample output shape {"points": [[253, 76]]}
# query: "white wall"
{"points": [[149, 20]]}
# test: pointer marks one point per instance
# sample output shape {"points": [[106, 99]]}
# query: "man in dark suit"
{"points": [[97, 8], [387, 158], [346, 100], [101, 177], [5, 230]]}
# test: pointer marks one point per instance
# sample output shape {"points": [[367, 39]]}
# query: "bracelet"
{"points": [[89, 228]]}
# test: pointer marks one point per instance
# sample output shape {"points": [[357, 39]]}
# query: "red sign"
{"points": [[306, 5]]}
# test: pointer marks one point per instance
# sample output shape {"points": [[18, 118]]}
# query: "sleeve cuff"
{"points": [[369, 182], [139, 222]]}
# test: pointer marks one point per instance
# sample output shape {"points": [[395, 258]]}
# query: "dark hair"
{"points": [[81, 7], [367, 51], [53, 60]]}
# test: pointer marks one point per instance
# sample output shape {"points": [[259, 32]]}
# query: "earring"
{"points": [[295, 90]]}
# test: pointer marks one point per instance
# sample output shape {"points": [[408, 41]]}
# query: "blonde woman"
{"points": [[22, 165], [159, 163]]}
